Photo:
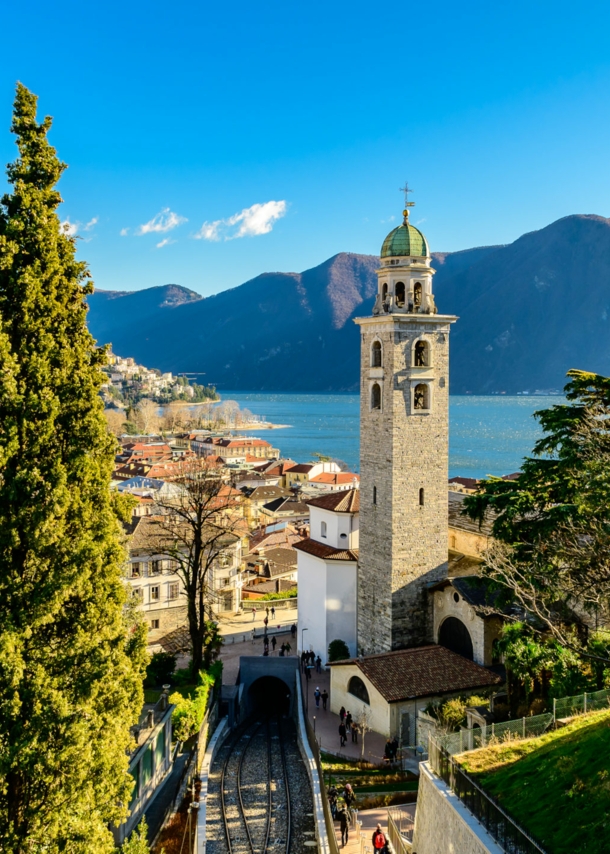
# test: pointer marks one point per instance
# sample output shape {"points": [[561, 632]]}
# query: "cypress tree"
{"points": [[70, 660]]}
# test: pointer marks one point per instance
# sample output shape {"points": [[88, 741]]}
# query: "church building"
{"points": [[404, 447]]}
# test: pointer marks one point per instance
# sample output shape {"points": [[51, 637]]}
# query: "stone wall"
{"points": [[169, 619], [403, 544], [443, 825]]}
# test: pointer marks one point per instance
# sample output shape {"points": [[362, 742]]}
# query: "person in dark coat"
{"points": [[342, 713], [342, 733], [344, 824], [324, 698], [293, 630], [273, 642], [348, 721], [318, 665], [303, 660]]}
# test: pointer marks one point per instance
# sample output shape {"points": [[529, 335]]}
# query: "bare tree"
{"points": [[147, 416], [115, 419], [173, 416], [363, 719], [201, 518]]}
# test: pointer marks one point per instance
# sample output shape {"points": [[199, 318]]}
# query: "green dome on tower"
{"points": [[405, 240]]}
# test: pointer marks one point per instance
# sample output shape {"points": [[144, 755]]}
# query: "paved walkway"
{"points": [[326, 725], [370, 819]]}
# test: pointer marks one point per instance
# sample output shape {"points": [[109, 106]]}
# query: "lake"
{"points": [[487, 435]]}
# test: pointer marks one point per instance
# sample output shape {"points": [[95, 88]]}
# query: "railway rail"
{"points": [[254, 791]]}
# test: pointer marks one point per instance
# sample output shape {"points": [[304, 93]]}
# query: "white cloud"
{"points": [[124, 232], [252, 221], [165, 242], [164, 221], [91, 223], [69, 228]]}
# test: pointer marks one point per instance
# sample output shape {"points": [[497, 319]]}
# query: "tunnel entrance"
{"points": [[269, 695]]}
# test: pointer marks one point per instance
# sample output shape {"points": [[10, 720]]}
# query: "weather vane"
{"points": [[406, 190]]}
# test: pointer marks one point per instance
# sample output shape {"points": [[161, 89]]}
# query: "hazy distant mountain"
{"points": [[528, 312]]}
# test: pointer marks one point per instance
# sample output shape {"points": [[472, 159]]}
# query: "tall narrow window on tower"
{"points": [[417, 292], [399, 291], [421, 397], [422, 354], [376, 396], [376, 354], [421, 496]]}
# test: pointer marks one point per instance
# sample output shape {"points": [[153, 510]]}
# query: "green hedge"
{"points": [[188, 715]]}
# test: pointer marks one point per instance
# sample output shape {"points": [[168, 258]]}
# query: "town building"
{"points": [[327, 572], [391, 688], [404, 430], [234, 449]]}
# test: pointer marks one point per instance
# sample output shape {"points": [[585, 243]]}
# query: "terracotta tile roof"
{"points": [[336, 477], [268, 493], [237, 443], [423, 671], [299, 468], [347, 501], [278, 585], [321, 550], [288, 536]]}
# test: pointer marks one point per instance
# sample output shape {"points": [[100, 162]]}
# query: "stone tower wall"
{"points": [[403, 545]]}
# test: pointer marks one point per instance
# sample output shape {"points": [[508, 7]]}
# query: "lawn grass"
{"points": [[556, 786]]}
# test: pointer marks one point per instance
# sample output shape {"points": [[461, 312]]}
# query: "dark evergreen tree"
{"points": [[552, 524], [70, 660]]}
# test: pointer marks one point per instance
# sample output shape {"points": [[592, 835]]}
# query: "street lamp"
{"points": [[303, 640]]}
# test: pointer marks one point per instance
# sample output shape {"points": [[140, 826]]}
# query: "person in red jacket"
{"points": [[380, 842]]}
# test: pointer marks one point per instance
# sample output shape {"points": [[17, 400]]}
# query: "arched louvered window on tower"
{"points": [[376, 354], [399, 293]]}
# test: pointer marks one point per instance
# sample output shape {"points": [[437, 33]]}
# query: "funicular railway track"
{"points": [[254, 790]]}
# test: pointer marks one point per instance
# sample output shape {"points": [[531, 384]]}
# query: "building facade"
{"points": [[404, 448]]}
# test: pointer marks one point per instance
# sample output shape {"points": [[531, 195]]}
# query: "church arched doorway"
{"points": [[455, 636]]}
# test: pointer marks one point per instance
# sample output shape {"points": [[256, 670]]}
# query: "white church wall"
{"points": [[341, 532], [341, 602], [312, 596]]}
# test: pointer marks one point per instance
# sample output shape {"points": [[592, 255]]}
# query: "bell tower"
{"points": [[404, 447]]}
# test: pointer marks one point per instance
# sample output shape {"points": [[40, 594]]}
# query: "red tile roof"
{"points": [[336, 477], [347, 501], [423, 671], [321, 550]]}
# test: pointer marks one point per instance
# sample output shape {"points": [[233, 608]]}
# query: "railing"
{"points": [[506, 832], [530, 727], [400, 830], [330, 824], [261, 604]]}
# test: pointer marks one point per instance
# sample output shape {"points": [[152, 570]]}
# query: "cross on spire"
{"points": [[406, 190]]}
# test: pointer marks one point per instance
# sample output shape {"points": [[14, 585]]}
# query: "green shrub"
{"points": [[160, 669], [189, 712], [337, 650], [288, 594]]}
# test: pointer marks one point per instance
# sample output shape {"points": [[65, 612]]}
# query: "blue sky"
{"points": [[208, 143]]}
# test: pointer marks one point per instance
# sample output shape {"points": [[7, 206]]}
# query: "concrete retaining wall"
{"points": [[443, 825], [215, 742]]}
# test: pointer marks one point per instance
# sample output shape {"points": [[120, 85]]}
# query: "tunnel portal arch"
{"points": [[269, 695]]}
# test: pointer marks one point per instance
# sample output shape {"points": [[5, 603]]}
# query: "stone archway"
{"points": [[454, 635]]}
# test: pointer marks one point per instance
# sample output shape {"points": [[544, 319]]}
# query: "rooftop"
{"points": [[347, 501], [423, 671], [321, 550]]}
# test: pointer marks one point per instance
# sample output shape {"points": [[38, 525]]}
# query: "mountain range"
{"points": [[528, 311]]}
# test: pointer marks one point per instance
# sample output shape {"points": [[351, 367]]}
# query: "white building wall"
{"points": [[341, 599], [312, 596], [341, 528]]}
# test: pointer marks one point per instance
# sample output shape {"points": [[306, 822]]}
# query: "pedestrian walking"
{"points": [[354, 733], [253, 614], [273, 612], [324, 698], [267, 611], [307, 673], [293, 630], [342, 713], [348, 796], [266, 643], [380, 842], [253, 633], [342, 733], [394, 748], [332, 800], [344, 824], [312, 658], [266, 622], [303, 660], [274, 642], [348, 721], [288, 647], [316, 695], [283, 649], [318, 665]]}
